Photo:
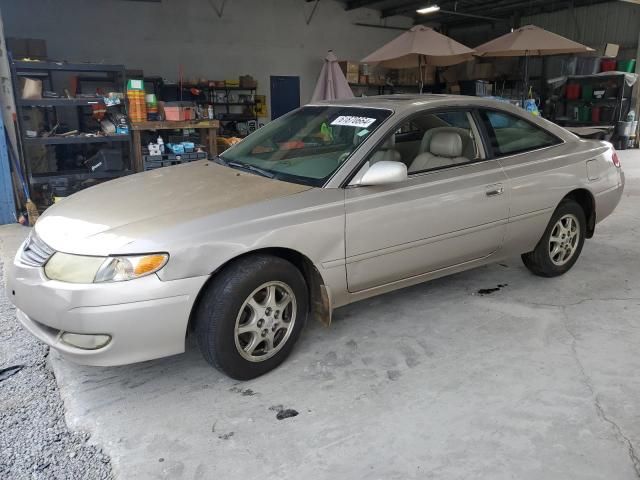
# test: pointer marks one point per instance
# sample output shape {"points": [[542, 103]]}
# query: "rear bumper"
{"points": [[145, 318]]}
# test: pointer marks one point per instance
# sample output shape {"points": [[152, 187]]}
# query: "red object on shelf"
{"points": [[607, 65], [595, 114], [573, 91]]}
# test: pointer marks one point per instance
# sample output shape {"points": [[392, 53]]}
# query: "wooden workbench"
{"points": [[208, 135]]}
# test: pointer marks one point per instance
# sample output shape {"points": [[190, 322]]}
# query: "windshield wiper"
{"points": [[249, 168]]}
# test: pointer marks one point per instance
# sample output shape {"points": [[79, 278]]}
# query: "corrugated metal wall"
{"points": [[613, 22]]}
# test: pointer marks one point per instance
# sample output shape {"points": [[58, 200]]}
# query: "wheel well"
{"points": [[585, 199], [319, 305]]}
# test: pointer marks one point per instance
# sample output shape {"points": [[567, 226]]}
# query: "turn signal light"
{"points": [[148, 264]]}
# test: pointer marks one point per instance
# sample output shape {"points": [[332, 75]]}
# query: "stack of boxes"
{"points": [[351, 71], [137, 102]]}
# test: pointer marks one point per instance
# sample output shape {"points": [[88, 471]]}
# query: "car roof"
{"points": [[403, 102]]}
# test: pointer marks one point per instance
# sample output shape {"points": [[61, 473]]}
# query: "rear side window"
{"points": [[509, 134]]}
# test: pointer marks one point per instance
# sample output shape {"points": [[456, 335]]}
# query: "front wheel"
{"points": [[561, 244], [251, 315]]}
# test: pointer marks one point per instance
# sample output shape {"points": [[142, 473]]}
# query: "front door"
{"points": [[440, 217], [285, 95]]}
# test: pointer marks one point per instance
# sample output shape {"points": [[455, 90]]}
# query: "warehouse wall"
{"points": [[615, 22], [256, 37]]}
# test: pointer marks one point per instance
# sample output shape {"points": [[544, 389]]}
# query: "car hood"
{"points": [[105, 218]]}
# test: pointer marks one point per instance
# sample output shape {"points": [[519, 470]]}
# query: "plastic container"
{"points": [[607, 65], [587, 92], [595, 114], [628, 66], [623, 129], [584, 113], [573, 91]]}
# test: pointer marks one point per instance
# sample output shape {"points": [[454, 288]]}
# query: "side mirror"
{"points": [[383, 173]]}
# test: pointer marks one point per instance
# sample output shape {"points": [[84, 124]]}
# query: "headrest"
{"points": [[389, 143], [446, 144]]}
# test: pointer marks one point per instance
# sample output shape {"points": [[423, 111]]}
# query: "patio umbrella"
{"points": [[331, 84], [530, 41], [420, 46]]}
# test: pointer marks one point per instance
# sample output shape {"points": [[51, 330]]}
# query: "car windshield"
{"points": [[306, 146]]}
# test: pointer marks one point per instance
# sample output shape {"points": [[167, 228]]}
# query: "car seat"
{"points": [[445, 149]]}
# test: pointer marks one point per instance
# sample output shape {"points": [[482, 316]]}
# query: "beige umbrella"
{"points": [[420, 46], [530, 41]]}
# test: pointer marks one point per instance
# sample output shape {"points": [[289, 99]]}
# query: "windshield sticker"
{"points": [[350, 121], [362, 133]]}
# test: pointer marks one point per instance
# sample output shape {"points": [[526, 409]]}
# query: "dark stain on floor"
{"points": [[282, 413], [9, 371], [489, 291], [247, 392]]}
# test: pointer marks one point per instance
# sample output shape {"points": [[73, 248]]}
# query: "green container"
{"points": [[587, 92], [628, 66], [584, 113], [134, 84]]}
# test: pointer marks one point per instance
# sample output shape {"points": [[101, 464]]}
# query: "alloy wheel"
{"points": [[265, 321], [564, 239]]}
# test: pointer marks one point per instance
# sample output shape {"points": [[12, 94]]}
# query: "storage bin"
{"points": [[628, 66], [584, 113], [587, 92], [608, 65], [595, 114], [176, 113], [623, 129], [573, 91]]}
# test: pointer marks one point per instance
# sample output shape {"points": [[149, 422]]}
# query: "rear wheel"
{"points": [[561, 244], [251, 315]]}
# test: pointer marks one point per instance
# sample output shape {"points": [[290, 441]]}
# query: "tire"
{"points": [[546, 260], [237, 300]]}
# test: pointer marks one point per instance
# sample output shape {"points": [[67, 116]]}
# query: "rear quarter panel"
{"points": [[539, 180]]}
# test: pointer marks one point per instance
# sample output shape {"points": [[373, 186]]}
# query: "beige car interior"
{"points": [[441, 145]]}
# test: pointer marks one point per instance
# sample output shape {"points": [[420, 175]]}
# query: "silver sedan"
{"points": [[331, 204]]}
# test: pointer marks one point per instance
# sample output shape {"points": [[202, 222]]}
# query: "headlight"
{"points": [[80, 269]]}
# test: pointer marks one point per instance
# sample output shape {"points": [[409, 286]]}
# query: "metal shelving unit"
{"points": [[620, 103], [229, 117], [60, 168]]}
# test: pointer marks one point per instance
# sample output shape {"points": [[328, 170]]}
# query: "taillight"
{"points": [[616, 160]]}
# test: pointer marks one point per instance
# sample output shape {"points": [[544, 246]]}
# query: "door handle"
{"points": [[494, 190]]}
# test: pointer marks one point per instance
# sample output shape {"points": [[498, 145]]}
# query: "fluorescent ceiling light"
{"points": [[429, 9]]}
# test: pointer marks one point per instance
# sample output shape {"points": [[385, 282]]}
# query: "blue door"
{"points": [[285, 95]]}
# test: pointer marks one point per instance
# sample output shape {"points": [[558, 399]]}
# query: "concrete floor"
{"points": [[537, 380]]}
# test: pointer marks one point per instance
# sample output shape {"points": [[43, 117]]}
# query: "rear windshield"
{"points": [[307, 146]]}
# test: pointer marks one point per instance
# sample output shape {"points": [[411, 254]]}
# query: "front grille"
{"points": [[35, 252]]}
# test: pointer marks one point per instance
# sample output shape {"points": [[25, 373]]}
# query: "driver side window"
{"points": [[431, 141]]}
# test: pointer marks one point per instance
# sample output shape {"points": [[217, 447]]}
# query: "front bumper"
{"points": [[146, 318]]}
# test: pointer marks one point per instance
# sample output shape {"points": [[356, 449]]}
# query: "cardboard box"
{"points": [[352, 77], [609, 50], [453, 89], [349, 67]]}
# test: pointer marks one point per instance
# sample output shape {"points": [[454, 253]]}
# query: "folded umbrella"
{"points": [[331, 84]]}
